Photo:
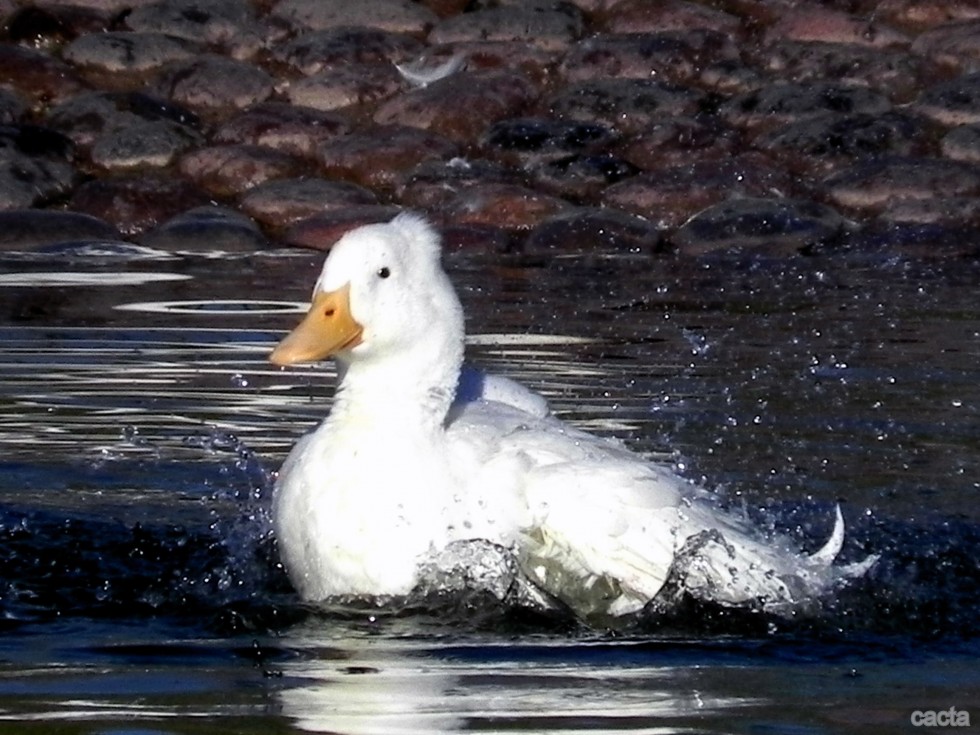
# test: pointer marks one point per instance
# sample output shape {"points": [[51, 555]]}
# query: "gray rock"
{"points": [[229, 25], [345, 86], [782, 103], [316, 50], [296, 131], [772, 226], [281, 203], [128, 52], [956, 45], [548, 28], [33, 228], [625, 105], [587, 231], [956, 102], [143, 144], [962, 143], [34, 166], [874, 184], [12, 106], [396, 16], [214, 84], [209, 229], [229, 170]]}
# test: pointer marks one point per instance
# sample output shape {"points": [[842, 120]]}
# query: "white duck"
{"points": [[400, 470]]}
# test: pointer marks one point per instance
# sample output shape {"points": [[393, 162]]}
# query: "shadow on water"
{"points": [[140, 426]]}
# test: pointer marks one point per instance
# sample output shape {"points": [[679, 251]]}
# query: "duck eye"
{"points": [[384, 272]]}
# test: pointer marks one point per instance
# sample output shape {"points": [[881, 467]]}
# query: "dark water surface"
{"points": [[140, 422]]}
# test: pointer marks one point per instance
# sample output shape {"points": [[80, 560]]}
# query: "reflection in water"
{"points": [[373, 685], [81, 278]]}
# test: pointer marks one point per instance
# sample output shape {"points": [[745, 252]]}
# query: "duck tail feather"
{"points": [[826, 554]]}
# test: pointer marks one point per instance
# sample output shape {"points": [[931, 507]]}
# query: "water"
{"points": [[140, 424]]}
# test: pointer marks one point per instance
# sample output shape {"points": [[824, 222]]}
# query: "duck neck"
{"points": [[411, 394]]}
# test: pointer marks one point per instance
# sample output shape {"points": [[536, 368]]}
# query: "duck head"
{"points": [[382, 295]]}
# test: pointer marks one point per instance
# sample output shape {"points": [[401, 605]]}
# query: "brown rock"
{"points": [[36, 76], [137, 204], [394, 16], [921, 15], [526, 141], [873, 185], [483, 239], [229, 170], [215, 85], [655, 16], [321, 231], [502, 205], [772, 226], [317, 50], [550, 29], [956, 102], [672, 56], [433, 184], [677, 141], [128, 53], [280, 203], [534, 62], [962, 143], [894, 72], [813, 22], [226, 25], [462, 106], [292, 130], [783, 103], [956, 45], [581, 178], [374, 157], [626, 105], [670, 195], [345, 86]]}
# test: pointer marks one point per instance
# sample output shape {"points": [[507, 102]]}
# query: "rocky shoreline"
{"points": [[537, 127]]}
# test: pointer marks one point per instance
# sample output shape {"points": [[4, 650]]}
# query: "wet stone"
{"points": [[394, 16], [143, 144], [345, 86], [526, 141], [86, 117], [122, 52], [229, 170], [956, 45], [896, 73], [35, 165], [461, 106], [209, 229], [12, 106], [827, 142], [509, 206], [921, 15], [483, 239], [770, 226], [317, 50], [672, 56], [962, 143], [625, 105], [214, 84], [42, 28], [433, 184], [321, 231], [535, 63], [812, 22], [228, 25], [36, 76], [679, 140], [956, 102], [873, 185], [280, 203], [374, 157], [586, 230], [35, 228], [670, 195], [780, 104], [296, 131], [136, 204], [950, 212], [581, 179], [643, 16], [550, 28]]}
